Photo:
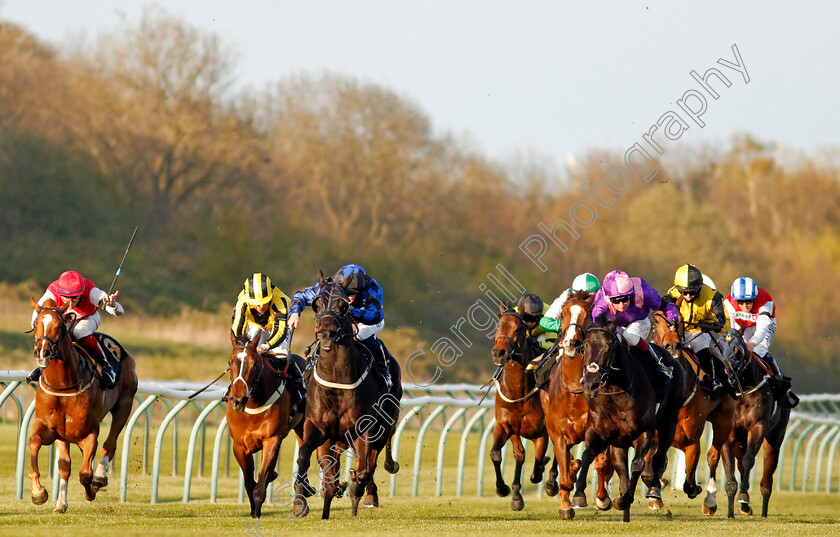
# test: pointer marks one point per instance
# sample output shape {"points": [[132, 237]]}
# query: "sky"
{"points": [[544, 78]]}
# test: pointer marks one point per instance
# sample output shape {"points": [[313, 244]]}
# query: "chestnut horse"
{"points": [[623, 412], [258, 414], [565, 405], [760, 421], [344, 406], [69, 405], [518, 410], [697, 409]]}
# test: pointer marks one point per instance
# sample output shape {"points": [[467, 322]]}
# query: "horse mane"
{"points": [[583, 295]]}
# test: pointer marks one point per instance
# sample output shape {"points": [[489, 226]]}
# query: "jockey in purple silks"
{"points": [[628, 302]]}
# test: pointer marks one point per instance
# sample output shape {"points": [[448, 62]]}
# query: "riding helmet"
{"points": [[71, 283], [530, 304], [586, 282], [744, 288], [258, 290], [688, 278]]}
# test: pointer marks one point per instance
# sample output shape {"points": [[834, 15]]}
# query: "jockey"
{"points": [[84, 299], [261, 310], [583, 282], [531, 308], [702, 312], [366, 308], [628, 302], [752, 311]]}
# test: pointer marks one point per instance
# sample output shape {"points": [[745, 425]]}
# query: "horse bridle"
{"points": [[562, 336], [328, 310], [680, 345], [52, 350], [513, 343], [604, 372], [258, 359]]}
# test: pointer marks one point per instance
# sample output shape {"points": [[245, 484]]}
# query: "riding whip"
{"points": [[211, 383], [119, 269]]}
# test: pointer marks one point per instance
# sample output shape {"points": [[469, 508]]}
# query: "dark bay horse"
{"points": [[344, 406], [565, 406], [518, 410], [258, 415], [69, 405], [759, 421], [697, 409], [623, 412]]}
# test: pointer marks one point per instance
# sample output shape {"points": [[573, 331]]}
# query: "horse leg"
{"points": [[614, 460], [721, 429], [312, 439], [754, 439], [330, 462], [540, 460], [562, 456], [728, 453], [771, 445], [372, 495], [119, 416], [594, 446], [88, 446], [391, 466], [270, 448], [64, 476], [41, 436], [692, 458], [516, 502], [500, 437], [246, 462], [365, 468], [551, 487]]}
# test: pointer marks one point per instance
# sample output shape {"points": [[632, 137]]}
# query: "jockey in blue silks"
{"points": [[366, 302]]}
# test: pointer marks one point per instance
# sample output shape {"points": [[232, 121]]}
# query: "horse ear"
{"points": [[253, 343], [233, 341], [321, 278], [589, 298], [64, 307], [35, 305], [316, 304], [502, 309], [610, 326]]}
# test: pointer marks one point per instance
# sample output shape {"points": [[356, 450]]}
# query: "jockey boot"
{"points": [[108, 380], [34, 376], [666, 373], [781, 384], [381, 358], [709, 382], [296, 386]]}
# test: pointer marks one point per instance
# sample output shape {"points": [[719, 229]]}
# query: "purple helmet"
{"points": [[617, 283]]}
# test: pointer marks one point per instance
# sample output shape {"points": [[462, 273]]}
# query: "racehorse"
{"points": [[518, 412], [344, 406], [759, 421], [565, 405], [623, 412], [697, 409], [258, 414], [69, 405]]}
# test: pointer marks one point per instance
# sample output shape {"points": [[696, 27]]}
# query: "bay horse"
{"points": [[697, 409], [565, 406], [344, 406], [760, 421], [519, 413], [70, 405], [622, 411], [259, 414]]}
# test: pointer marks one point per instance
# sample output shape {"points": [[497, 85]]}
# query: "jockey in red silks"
{"points": [[628, 302], [84, 300]]}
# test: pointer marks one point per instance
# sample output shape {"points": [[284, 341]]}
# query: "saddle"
{"points": [[112, 350]]}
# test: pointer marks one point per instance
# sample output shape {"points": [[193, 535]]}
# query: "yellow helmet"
{"points": [[688, 278], [258, 290]]}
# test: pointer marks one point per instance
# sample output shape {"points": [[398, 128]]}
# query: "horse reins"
{"points": [[511, 354], [604, 372]]}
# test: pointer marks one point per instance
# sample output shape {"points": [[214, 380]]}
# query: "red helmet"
{"points": [[71, 283]]}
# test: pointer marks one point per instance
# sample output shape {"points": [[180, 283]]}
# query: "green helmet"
{"points": [[586, 282]]}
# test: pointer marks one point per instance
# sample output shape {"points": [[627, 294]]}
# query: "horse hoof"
{"points": [[578, 502], [340, 489], [41, 498], [99, 482], [392, 468], [692, 492], [709, 511], [664, 482], [502, 490], [60, 510], [621, 504], [301, 508], [371, 501], [742, 497], [551, 488], [603, 505], [654, 504], [517, 504], [566, 514], [745, 510]]}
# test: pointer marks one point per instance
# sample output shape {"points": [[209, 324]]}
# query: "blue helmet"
{"points": [[744, 288]]}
